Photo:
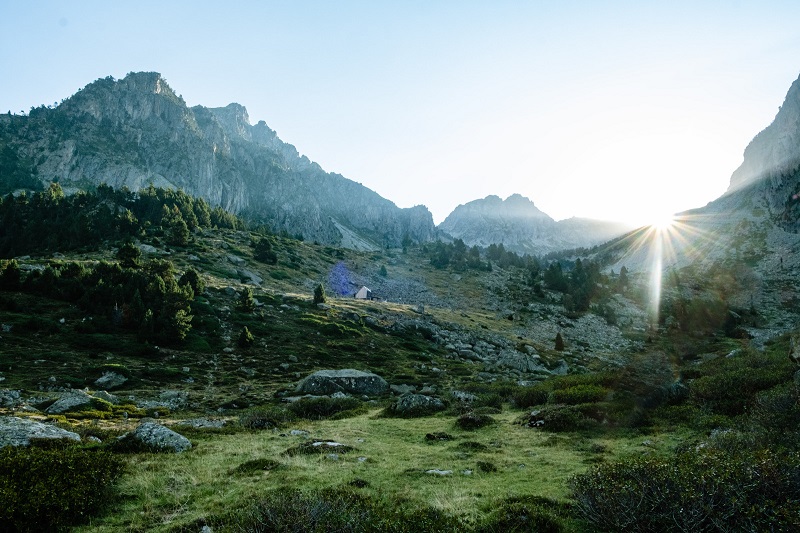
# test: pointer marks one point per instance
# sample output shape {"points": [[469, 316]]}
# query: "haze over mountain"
{"points": [[137, 131], [522, 227]]}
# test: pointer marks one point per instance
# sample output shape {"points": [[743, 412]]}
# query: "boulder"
{"points": [[10, 398], [106, 396], [158, 438], [110, 380], [402, 389], [75, 400], [417, 405], [15, 431], [346, 380], [520, 361]]}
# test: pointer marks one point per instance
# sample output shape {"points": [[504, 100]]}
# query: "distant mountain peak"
{"points": [[520, 226]]}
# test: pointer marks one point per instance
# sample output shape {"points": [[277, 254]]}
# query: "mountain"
{"points": [[775, 150], [522, 227], [745, 241], [137, 131]]}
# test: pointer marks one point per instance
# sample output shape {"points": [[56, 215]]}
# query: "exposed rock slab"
{"points": [[15, 431], [346, 380], [74, 400], [110, 380], [159, 438], [417, 404]]}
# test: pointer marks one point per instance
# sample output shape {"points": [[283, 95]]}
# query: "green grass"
{"points": [[390, 455]]}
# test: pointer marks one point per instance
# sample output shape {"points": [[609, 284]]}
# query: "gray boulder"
{"points": [[15, 431], [520, 361], [10, 398], [159, 438], [106, 396], [416, 405], [110, 380], [75, 400], [347, 380]]}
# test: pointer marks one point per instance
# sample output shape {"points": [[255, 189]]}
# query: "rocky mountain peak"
{"points": [[520, 226], [137, 131], [234, 120], [775, 149]]}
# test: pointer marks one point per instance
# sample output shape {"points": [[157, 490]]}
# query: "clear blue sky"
{"points": [[616, 110]]}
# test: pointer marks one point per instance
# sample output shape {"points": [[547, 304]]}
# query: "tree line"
{"points": [[49, 220]]}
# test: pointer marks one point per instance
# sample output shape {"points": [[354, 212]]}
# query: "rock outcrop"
{"points": [[416, 405], [137, 131], [520, 226], [15, 431], [347, 380], [158, 438], [776, 149]]}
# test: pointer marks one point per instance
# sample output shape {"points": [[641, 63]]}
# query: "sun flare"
{"points": [[663, 222]]}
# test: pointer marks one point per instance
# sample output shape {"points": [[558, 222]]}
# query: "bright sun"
{"points": [[663, 222]]}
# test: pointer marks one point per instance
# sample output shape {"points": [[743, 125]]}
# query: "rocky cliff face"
{"points": [[522, 227], [137, 131], [776, 150]]}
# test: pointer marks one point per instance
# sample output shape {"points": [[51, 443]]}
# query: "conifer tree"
{"points": [[319, 294]]}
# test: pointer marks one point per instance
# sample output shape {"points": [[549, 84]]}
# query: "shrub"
{"points": [[529, 396], [342, 510], [266, 417], [526, 513], [472, 420], [730, 391], [578, 394], [486, 467], [256, 465], [322, 408], [246, 338], [52, 489], [702, 490], [557, 418]]}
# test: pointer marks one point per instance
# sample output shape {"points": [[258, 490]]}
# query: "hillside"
{"points": [[170, 366], [137, 131]]}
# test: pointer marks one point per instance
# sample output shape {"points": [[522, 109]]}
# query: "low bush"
{"points": [[342, 510], [525, 397], [526, 513], [704, 489], [557, 418], [256, 465], [265, 417], [472, 421], [578, 394], [53, 489], [323, 408], [486, 467], [728, 386]]}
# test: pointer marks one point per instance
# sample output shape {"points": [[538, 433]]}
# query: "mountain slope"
{"points": [[522, 227], [137, 131]]}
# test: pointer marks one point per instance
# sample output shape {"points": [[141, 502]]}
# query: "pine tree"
{"points": [[263, 252], [246, 301], [246, 338], [192, 278], [129, 255], [319, 294], [559, 342]]}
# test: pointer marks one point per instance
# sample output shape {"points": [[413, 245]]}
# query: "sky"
{"points": [[613, 110]]}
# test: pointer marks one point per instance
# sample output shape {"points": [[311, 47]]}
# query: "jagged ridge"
{"points": [[137, 131], [522, 227]]}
